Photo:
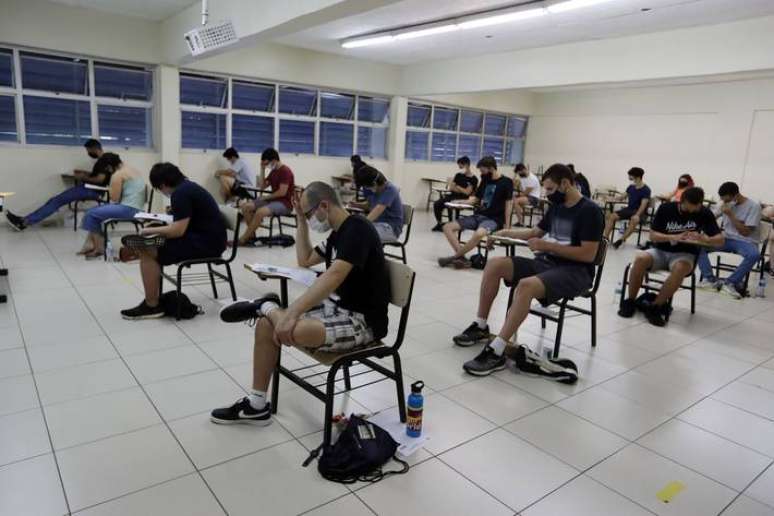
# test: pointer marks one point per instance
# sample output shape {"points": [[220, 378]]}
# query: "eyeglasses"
{"points": [[308, 214]]}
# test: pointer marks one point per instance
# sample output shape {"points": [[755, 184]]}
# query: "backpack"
{"points": [[358, 455], [478, 261], [170, 301], [646, 299], [280, 240]]}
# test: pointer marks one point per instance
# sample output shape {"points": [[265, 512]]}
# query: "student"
{"points": [[356, 272], [357, 162], [581, 182], [529, 195], [494, 200], [677, 230], [638, 195], [76, 193], [684, 182], [127, 197], [382, 202], [461, 187], [741, 228], [238, 174], [198, 231], [565, 243], [278, 202]]}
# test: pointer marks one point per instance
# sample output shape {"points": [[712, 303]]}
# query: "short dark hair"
{"points": [[464, 161], [487, 161], [693, 195], [269, 154], [519, 167], [231, 152], [636, 172], [91, 143], [106, 164], [317, 191], [367, 175], [557, 172], [571, 167], [165, 174], [728, 188], [355, 158]]}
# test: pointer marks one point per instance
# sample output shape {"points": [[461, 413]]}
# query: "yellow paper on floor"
{"points": [[669, 491]]}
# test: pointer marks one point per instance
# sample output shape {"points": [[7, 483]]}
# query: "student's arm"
{"points": [[80, 174], [586, 252], [116, 184], [281, 192], [306, 256], [508, 210], [740, 226], [528, 191], [376, 212], [468, 190], [643, 206], [523, 234], [98, 179], [225, 172], [175, 230]]}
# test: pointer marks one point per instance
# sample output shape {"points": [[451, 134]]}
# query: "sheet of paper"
{"points": [[160, 217], [460, 205], [95, 187], [508, 240], [389, 420], [303, 276]]}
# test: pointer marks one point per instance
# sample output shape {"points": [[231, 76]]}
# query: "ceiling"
{"points": [[614, 19], [155, 10]]}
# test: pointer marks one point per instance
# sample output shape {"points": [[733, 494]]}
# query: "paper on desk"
{"points": [[461, 205], [304, 276], [160, 217], [96, 187], [390, 421], [508, 240]]}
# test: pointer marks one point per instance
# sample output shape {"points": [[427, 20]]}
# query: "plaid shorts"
{"points": [[344, 330]]}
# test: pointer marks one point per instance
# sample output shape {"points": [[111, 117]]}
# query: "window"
{"points": [[471, 121], [55, 74], [296, 136], [253, 96], [336, 139], [8, 131], [470, 146], [339, 106], [252, 133], [297, 101], [372, 142], [493, 147], [517, 126], [418, 115], [203, 130], [494, 124], [196, 90], [122, 82], [416, 145], [444, 147], [56, 121], [445, 118], [6, 67], [124, 126], [514, 151], [371, 109]]}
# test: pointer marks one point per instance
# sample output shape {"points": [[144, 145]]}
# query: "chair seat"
{"points": [[328, 358]]}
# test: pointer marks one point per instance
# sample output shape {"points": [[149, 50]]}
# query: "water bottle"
{"points": [[414, 410], [109, 252], [617, 291], [760, 291]]}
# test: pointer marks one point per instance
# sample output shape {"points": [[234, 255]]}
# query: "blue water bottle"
{"points": [[414, 410]]}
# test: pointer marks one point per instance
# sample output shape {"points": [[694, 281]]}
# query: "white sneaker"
{"points": [[730, 290], [708, 284]]}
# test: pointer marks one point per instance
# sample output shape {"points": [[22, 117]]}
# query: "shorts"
{"points": [[665, 260], [237, 190], [533, 201], [386, 232], [276, 208], [474, 222], [560, 280], [176, 250], [344, 330], [625, 213]]}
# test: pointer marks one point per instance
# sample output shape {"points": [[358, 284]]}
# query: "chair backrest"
{"points": [[232, 218], [401, 291], [599, 263], [408, 217]]}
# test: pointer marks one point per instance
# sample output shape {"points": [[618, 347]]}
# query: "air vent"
{"points": [[209, 37]]}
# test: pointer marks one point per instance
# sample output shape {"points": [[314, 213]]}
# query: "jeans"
{"points": [[439, 205], [748, 251], [76, 193], [92, 221]]}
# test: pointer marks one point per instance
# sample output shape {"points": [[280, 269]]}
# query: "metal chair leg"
{"points": [[347, 380], [593, 321], [399, 387], [231, 282], [559, 328], [329, 398], [212, 281], [275, 383], [179, 290]]}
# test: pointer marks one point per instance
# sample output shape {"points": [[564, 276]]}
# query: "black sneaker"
{"points": [[15, 221], [462, 263], [485, 363], [473, 335], [618, 243], [246, 311], [562, 370], [242, 412], [627, 309], [655, 314], [139, 242], [437, 227], [445, 262], [143, 311]]}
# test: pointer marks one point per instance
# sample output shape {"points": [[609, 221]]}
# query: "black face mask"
{"points": [[556, 197], [682, 182], [93, 156]]}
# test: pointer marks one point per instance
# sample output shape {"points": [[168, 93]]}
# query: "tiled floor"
{"points": [[100, 416]]}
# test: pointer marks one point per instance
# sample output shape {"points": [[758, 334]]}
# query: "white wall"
{"points": [[716, 132]]}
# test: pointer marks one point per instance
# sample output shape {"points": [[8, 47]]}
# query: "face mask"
{"points": [[319, 225], [556, 197], [632, 181], [166, 194], [523, 174], [731, 204], [93, 156], [683, 182]]}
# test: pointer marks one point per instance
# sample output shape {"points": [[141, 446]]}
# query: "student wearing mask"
{"points": [[278, 202], [529, 192], [493, 201], [461, 186], [382, 203], [741, 219], [356, 272], [684, 182], [565, 243], [357, 162], [638, 199], [74, 194], [677, 232], [237, 175]]}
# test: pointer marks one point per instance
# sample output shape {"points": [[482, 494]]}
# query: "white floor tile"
{"points": [[763, 488], [169, 363], [748, 397], [228, 352], [148, 338], [187, 395], [83, 381], [23, 435], [13, 362], [448, 424], [347, 506], [17, 393], [652, 393], [31, 487], [441, 369], [585, 497], [760, 377], [497, 401], [69, 353], [744, 506]]}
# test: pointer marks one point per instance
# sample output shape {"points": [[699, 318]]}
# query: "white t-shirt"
{"points": [[531, 181], [244, 172]]}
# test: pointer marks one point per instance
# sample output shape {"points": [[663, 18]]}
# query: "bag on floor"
{"points": [[478, 261], [359, 454], [278, 240], [170, 301]]}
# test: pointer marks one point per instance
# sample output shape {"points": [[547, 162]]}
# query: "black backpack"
{"points": [[359, 454], [478, 261], [280, 240], [170, 301]]}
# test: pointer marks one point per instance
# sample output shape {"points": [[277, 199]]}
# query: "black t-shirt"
{"points": [[366, 289], [671, 220], [582, 222], [206, 227], [464, 181], [493, 194]]}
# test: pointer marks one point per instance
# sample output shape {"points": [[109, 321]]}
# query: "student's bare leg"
{"points": [[87, 247], [610, 221], [254, 223], [518, 208], [631, 227], [226, 184], [150, 270], [679, 271], [527, 290], [450, 230], [472, 243], [496, 270], [642, 264]]}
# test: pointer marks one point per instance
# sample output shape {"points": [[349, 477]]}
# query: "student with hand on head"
{"points": [[493, 201], [76, 193], [278, 202], [638, 199], [741, 228], [238, 174], [356, 272], [565, 243], [462, 186], [382, 202], [529, 192], [197, 231], [677, 231]]}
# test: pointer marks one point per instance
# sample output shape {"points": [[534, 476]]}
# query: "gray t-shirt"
{"points": [[749, 212], [245, 174]]}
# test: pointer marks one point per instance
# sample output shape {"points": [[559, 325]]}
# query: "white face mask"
{"points": [[319, 225], [731, 204]]}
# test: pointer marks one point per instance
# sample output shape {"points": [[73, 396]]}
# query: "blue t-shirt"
{"points": [[393, 211], [636, 195]]}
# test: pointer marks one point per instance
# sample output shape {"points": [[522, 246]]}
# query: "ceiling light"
{"points": [[440, 29], [573, 4], [364, 42], [502, 18]]}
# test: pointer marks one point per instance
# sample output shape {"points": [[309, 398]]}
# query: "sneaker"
{"points": [[461, 263], [472, 335], [139, 242], [242, 412], [445, 262], [618, 243], [437, 227], [730, 290], [485, 363], [562, 370], [246, 311], [708, 284], [627, 309], [655, 314], [15, 221], [143, 311]]}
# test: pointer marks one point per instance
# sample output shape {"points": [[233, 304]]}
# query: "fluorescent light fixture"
{"points": [[502, 18], [439, 29], [365, 42], [573, 4]]}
